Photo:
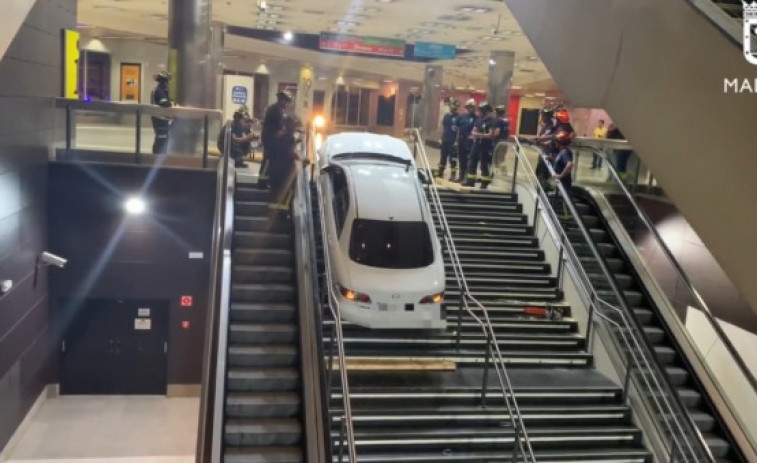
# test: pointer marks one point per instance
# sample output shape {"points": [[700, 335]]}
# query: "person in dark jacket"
{"points": [[273, 129], [484, 135], [500, 147], [449, 141], [161, 125], [621, 156], [282, 166], [465, 124]]}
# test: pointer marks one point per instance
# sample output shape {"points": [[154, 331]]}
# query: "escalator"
{"points": [[679, 372], [689, 126], [263, 398], [431, 413]]}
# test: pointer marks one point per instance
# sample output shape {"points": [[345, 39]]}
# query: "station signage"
{"points": [[434, 50], [365, 45]]}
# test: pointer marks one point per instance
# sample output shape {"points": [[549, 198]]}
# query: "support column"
{"points": [[303, 106], [501, 65], [190, 63], [429, 107]]}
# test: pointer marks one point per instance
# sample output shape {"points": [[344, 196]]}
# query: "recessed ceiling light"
{"points": [[474, 9], [540, 94], [288, 36]]}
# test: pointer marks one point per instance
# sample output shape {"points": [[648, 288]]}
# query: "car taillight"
{"points": [[354, 296], [433, 299]]}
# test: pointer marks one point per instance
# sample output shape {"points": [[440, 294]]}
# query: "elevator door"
{"points": [[114, 346]]}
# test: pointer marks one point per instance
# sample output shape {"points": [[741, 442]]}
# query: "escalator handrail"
{"points": [[681, 273], [314, 389], [210, 432], [335, 308], [639, 343], [523, 441]]}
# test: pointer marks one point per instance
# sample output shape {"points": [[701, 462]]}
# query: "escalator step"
{"points": [[264, 455], [263, 379], [262, 432]]}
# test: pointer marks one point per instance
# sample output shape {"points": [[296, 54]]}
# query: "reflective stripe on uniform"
{"points": [[471, 176]]}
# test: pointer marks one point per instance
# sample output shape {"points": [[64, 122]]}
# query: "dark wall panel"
{"points": [[30, 75], [113, 255]]}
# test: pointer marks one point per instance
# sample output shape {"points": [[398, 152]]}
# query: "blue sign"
{"points": [[434, 50], [239, 94]]}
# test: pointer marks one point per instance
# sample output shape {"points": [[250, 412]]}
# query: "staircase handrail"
{"points": [[337, 341], [638, 350], [523, 444], [210, 427]]}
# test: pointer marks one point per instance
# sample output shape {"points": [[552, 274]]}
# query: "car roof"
{"points": [[364, 142], [385, 192]]}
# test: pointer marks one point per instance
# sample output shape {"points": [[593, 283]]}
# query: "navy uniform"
{"points": [[465, 124], [449, 141], [273, 128], [485, 133], [160, 124], [500, 149], [282, 162]]}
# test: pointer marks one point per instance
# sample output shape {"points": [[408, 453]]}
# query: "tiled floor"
{"points": [[110, 429]]}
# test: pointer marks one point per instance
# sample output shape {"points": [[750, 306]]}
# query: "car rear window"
{"points": [[395, 245]]}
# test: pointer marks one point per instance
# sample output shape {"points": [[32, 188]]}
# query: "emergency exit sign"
{"points": [[186, 301]]}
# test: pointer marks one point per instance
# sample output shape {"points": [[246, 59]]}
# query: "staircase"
{"points": [[262, 413], [679, 373], [572, 413]]}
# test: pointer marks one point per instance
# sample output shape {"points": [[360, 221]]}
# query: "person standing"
{"points": [[500, 150], [484, 134], [620, 156], [282, 167], [272, 131], [241, 136], [161, 124], [465, 124], [449, 141], [563, 167], [599, 132]]}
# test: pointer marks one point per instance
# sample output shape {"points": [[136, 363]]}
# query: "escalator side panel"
{"points": [[659, 69]]}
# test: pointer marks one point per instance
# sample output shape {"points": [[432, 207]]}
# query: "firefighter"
{"points": [[161, 125], [282, 167], [500, 150], [273, 129], [484, 135], [465, 125], [449, 140]]}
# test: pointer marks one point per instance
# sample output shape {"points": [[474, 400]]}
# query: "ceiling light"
{"points": [[492, 62], [474, 9], [540, 94], [135, 205], [288, 36], [340, 81], [516, 87], [262, 69]]}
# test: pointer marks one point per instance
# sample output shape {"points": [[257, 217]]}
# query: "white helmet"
{"points": [[471, 103]]}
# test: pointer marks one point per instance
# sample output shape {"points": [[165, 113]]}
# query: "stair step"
{"points": [[279, 454], [599, 455], [260, 224], [263, 379], [262, 405], [250, 194], [263, 333], [262, 432], [262, 356], [262, 240], [263, 292], [264, 257], [263, 273], [262, 312]]}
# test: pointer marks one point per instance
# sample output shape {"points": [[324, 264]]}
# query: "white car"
{"points": [[386, 261]]}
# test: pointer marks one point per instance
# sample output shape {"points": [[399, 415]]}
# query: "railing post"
{"points": [[460, 317], [206, 134], [485, 384], [138, 138], [516, 441], [69, 130], [590, 323], [561, 262], [627, 380], [536, 213], [515, 172], [341, 439]]}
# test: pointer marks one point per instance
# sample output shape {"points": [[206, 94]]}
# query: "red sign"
{"points": [[186, 301], [366, 45], [185, 324]]}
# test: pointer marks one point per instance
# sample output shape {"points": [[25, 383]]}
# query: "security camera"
{"points": [[48, 258]]}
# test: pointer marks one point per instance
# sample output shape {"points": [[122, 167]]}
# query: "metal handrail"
{"points": [[346, 428], [638, 349], [523, 442], [138, 110], [681, 273], [210, 432]]}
